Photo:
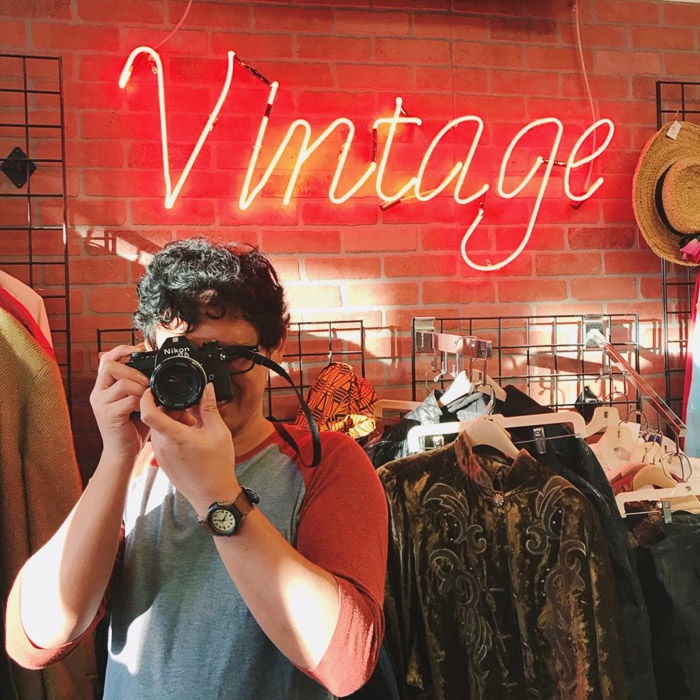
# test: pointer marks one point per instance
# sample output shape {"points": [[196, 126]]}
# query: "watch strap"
{"points": [[240, 507]]}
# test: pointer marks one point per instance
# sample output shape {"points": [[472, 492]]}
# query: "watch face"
{"points": [[223, 520]]}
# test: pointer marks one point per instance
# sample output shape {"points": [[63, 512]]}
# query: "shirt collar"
{"points": [[512, 475]]}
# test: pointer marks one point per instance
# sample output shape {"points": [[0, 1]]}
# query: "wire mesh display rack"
{"points": [[546, 357], [33, 220], [310, 346], [680, 100]]}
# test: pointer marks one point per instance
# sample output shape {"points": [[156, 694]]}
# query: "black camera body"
{"points": [[179, 371]]}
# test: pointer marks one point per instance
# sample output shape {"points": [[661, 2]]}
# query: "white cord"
{"points": [[177, 26], [588, 87]]}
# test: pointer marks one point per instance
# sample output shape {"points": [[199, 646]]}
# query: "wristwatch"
{"points": [[225, 519]]}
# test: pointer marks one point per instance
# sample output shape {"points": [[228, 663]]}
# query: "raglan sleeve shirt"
{"points": [[343, 528]]}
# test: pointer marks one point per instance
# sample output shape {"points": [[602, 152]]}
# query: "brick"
{"points": [[345, 267], [553, 58], [337, 103], [141, 11], [14, 34], [462, 291], [99, 271], [681, 15], [394, 294], [358, 213], [413, 51], [184, 41], [463, 80], [334, 48], [524, 30], [568, 264], [105, 299], [293, 19], [115, 183], [55, 9], [514, 82], [212, 14], [627, 62], [286, 268], [188, 211], [398, 78], [382, 23], [662, 38], [420, 266], [606, 289], [74, 37], [598, 35], [620, 12], [252, 47], [650, 287], [298, 240], [532, 290], [382, 240], [263, 211], [312, 296], [491, 55], [558, 309], [682, 64], [632, 261], [96, 212], [608, 237], [84, 328], [426, 24]]}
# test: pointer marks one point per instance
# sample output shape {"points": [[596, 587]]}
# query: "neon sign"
{"points": [[413, 188]]}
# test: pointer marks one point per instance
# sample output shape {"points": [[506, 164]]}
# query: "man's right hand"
{"points": [[114, 398]]}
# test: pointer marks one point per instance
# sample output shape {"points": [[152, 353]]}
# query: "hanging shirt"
{"points": [[31, 301], [499, 582]]}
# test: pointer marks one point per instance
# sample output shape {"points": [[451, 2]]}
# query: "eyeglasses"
{"points": [[241, 358]]}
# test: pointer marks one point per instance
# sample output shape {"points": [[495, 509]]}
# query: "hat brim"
{"points": [[657, 156]]}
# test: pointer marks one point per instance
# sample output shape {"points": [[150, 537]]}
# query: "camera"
{"points": [[179, 371]]}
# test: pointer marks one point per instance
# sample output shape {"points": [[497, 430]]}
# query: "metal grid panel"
{"points": [[545, 357], [33, 223], [310, 346], [676, 100]]}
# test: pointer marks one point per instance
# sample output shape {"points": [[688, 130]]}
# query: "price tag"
{"points": [[674, 130]]}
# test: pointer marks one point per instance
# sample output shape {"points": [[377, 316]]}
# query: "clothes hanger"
{"points": [[415, 434], [603, 417], [395, 405]]}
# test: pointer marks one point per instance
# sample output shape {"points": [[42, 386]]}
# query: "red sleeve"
{"points": [[18, 645], [343, 528]]}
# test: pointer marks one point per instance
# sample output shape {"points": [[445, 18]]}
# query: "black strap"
{"points": [[313, 427]]}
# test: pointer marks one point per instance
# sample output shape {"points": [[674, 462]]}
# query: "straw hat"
{"points": [[666, 190]]}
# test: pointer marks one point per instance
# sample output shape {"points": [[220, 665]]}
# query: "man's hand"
{"points": [[194, 448], [115, 396]]}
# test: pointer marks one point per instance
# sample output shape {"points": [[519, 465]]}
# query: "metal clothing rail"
{"points": [[631, 374]]}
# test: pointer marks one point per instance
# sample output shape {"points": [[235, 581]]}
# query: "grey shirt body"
{"points": [[179, 628]]}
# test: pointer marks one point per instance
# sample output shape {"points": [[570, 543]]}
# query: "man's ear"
{"points": [[277, 352]]}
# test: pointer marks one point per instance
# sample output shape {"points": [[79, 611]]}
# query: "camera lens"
{"points": [[178, 382]]}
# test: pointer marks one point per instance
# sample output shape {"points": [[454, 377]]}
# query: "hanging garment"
{"points": [[573, 459], [32, 301], [691, 389], [341, 401], [499, 581], [393, 443], [39, 484], [668, 556], [16, 308]]}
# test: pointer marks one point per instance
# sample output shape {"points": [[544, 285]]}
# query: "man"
{"points": [[289, 605]]}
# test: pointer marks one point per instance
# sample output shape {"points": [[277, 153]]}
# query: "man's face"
{"points": [[244, 411]]}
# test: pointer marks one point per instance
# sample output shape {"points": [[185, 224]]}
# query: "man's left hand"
{"points": [[194, 448]]}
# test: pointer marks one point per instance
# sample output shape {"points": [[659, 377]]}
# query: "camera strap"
{"points": [[313, 427]]}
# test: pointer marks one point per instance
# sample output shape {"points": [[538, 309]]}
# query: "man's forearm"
{"points": [[63, 583], [294, 601]]}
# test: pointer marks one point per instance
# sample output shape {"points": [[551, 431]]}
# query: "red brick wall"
{"points": [[509, 61]]}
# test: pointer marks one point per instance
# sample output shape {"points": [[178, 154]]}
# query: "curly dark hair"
{"points": [[194, 277]]}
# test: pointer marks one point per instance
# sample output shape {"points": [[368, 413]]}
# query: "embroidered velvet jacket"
{"points": [[499, 582]]}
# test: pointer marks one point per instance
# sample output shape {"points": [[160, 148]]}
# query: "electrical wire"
{"points": [[588, 91], [177, 26]]}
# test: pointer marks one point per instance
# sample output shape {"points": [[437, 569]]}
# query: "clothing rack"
{"points": [[33, 217], [311, 345], [676, 99], [661, 407], [546, 357]]}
